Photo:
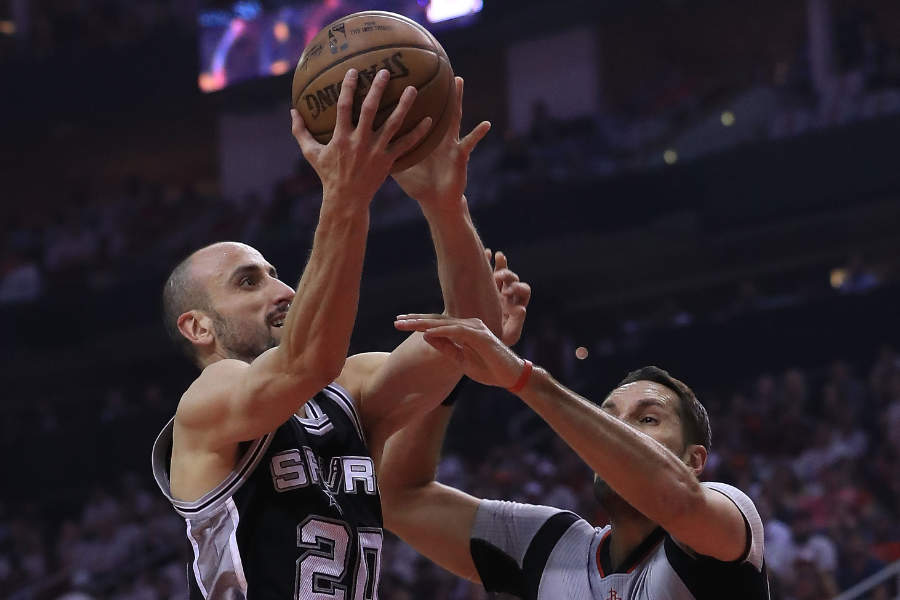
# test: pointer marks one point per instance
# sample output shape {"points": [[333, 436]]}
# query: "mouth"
{"points": [[277, 320]]}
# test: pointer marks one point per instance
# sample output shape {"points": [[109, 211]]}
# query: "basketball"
{"points": [[369, 41]]}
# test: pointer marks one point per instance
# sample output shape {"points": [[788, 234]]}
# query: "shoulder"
{"points": [[203, 401], [514, 544], [358, 369], [752, 521], [738, 497]]}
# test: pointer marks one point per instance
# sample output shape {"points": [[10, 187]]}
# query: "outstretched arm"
{"points": [[393, 389], [652, 479], [233, 401], [436, 519], [431, 517]]}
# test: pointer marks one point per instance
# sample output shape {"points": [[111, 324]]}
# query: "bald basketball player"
{"points": [[670, 536], [271, 457]]}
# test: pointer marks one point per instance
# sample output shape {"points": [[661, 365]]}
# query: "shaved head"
{"points": [[233, 285], [182, 293]]}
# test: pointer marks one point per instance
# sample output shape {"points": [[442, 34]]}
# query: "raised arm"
{"points": [[436, 519], [651, 478], [234, 401], [394, 388]]}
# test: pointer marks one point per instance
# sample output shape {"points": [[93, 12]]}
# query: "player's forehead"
{"points": [[216, 263], [631, 395]]}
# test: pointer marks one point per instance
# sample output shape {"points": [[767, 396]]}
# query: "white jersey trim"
{"points": [[342, 398], [755, 554], [233, 546], [216, 497], [196, 562]]}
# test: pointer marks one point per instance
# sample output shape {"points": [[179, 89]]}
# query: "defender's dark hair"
{"points": [[180, 294], [694, 419]]}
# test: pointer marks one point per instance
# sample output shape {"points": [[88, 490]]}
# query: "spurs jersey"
{"points": [[299, 517], [543, 553]]}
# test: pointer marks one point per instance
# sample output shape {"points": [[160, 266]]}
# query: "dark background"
{"points": [[760, 266]]}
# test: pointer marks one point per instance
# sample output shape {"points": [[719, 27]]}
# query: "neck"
{"points": [[628, 529]]}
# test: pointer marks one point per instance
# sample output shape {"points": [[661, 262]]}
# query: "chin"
{"points": [[602, 492]]}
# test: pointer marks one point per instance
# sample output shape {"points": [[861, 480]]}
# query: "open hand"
{"points": [[514, 298], [357, 160], [439, 180], [469, 344]]}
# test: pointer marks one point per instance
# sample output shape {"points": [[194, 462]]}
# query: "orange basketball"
{"points": [[369, 41]]}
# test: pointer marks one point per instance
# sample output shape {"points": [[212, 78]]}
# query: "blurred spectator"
{"points": [[20, 280], [829, 511], [857, 277], [857, 563]]}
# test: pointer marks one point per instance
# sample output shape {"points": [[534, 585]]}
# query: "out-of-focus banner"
{"points": [[251, 38]]}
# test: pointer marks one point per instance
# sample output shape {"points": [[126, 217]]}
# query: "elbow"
{"points": [[318, 372], [331, 368], [683, 502], [397, 507], [324, 371], [322, 365], [392, 507]]}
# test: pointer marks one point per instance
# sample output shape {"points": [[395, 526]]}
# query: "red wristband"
{"points": [[523, 378]]}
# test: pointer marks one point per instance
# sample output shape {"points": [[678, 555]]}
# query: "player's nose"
{"points": [[283, 292]]}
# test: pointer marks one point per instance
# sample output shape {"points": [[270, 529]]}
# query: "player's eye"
{"points": [[247, 281], [649, 419]]}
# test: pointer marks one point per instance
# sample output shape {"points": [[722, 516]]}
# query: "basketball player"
{"points": [[268, 455], [670, 536]]}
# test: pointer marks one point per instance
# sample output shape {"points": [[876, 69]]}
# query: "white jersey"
{"points": [[543, 553]]}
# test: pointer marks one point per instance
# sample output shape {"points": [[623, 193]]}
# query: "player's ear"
{"points": [[695, 457], [197, 327]]}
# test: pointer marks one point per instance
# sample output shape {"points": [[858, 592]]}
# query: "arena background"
{"points": [[708, 186]]}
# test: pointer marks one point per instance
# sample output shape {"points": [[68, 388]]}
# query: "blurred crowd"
{"points": [[94, 233], [818, 450], [56, 27]]}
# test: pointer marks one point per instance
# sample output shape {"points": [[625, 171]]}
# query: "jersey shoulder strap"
{"points": [[161, 457], [511, 544]]}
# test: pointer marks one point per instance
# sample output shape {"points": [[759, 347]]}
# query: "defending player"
{"points": [[268, 456], [670, 536]]}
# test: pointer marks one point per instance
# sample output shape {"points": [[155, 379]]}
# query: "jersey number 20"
{"points": [[324, 564]]}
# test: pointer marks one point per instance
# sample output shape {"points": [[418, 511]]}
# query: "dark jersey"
{"points": [[543, 553], [298, 518]]}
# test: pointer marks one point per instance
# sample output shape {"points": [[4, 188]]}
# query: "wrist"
{"points": [[334, 194], [444, 207], [524, 377]]}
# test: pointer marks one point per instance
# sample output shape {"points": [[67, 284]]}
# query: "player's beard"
{"points": [[614, 504], [244, 341]]}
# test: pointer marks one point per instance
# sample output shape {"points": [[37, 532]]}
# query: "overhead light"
{"points": [[837, 278], [581, 353], [279, 67], [670, 156], [444, 10], [281, 31], [727, 118]]}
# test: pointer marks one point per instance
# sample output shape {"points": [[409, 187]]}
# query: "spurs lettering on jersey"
{"points": [[298, 517], [294, 469]]}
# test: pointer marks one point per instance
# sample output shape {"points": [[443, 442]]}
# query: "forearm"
{"points": [[646, 474], [467, 282], [410, 457], [322, 314], [434, 519]]}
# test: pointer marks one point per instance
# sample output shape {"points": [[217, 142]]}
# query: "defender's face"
{"points": [[652, 409], [249, 301]]}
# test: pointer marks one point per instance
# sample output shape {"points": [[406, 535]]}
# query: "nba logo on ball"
{"points": [[333, 41]]}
